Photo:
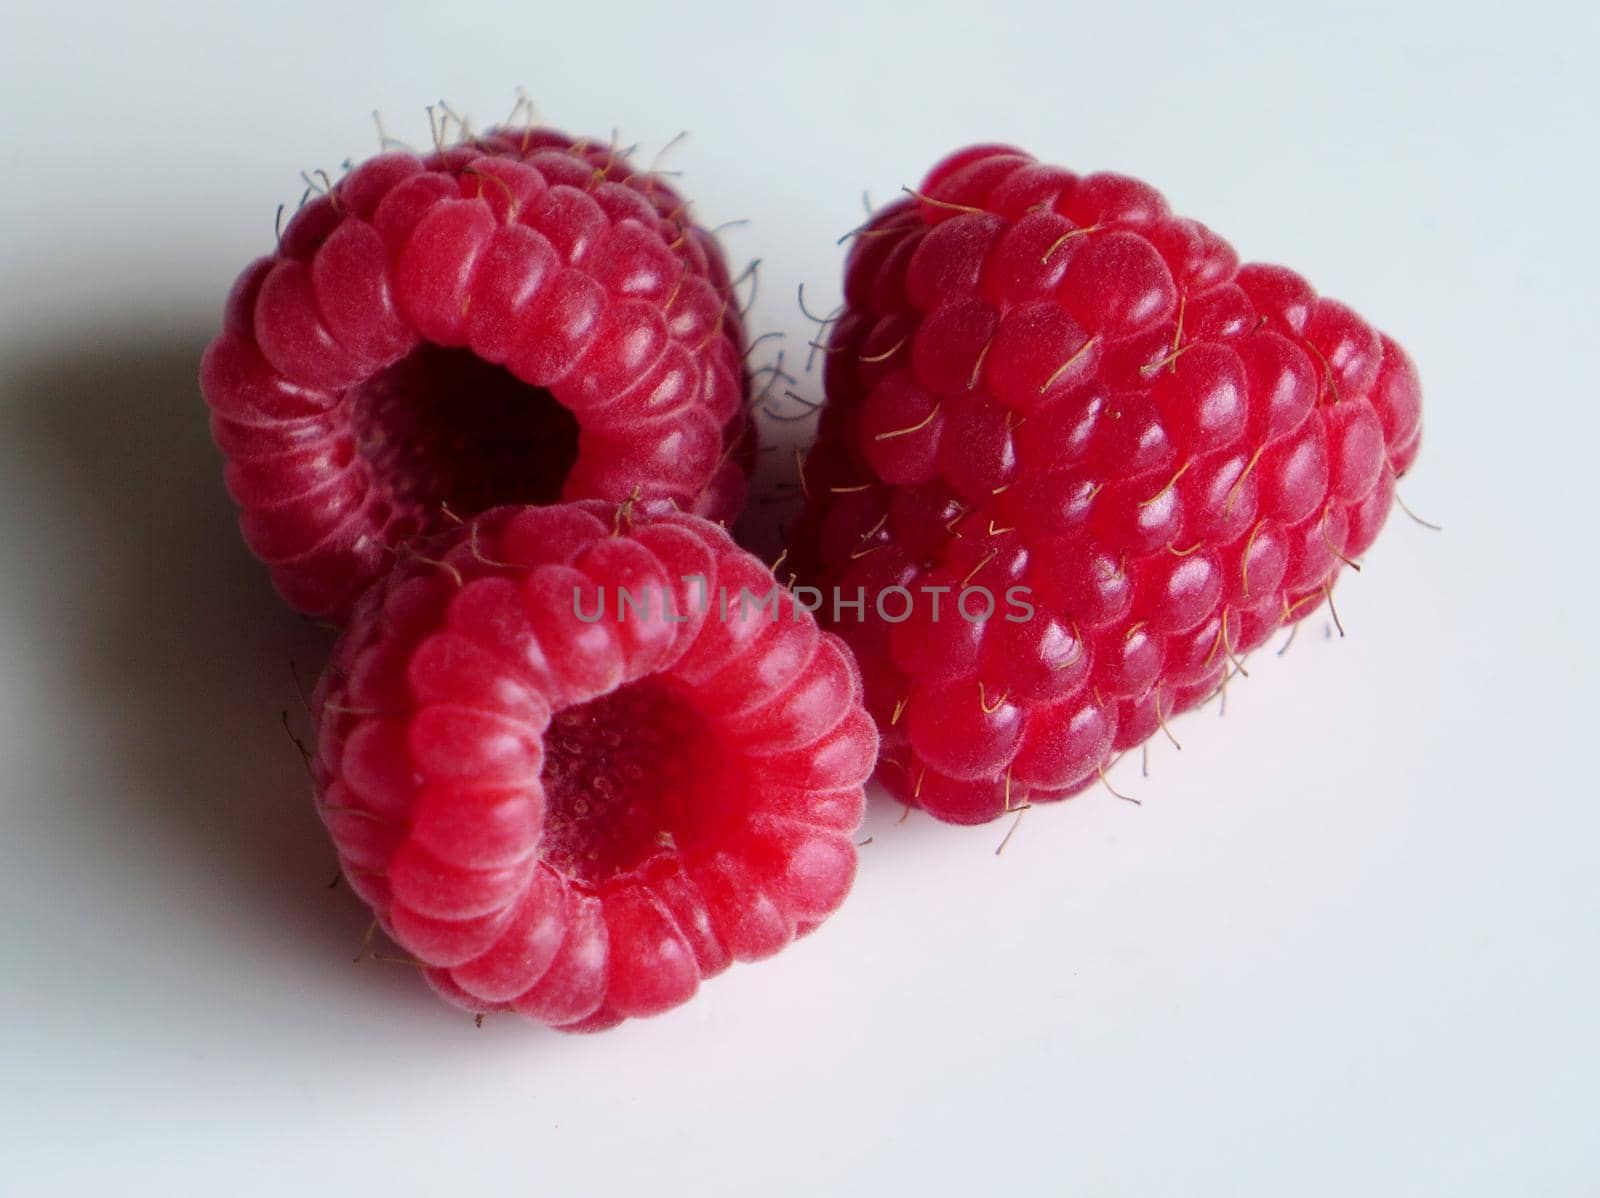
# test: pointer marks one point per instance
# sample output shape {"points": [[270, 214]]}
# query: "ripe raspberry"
{"points": [[1048, 381], [516, 319], [579, 820]]}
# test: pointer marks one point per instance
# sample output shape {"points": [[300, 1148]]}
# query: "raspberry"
{"points": [[1050, 382], [566, 783], [516, 319]]}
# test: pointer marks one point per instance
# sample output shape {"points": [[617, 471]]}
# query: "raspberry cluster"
{"points": [[1050, 382], [517, 319], [577, 749], [565, 808]]}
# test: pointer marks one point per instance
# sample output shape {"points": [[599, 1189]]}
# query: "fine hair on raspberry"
{"points": [[522, 317], [577, 814], [1050, 381]]}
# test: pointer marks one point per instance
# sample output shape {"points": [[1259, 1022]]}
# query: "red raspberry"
{"points": [[576, 820], [516, 319], [1047, 381]]}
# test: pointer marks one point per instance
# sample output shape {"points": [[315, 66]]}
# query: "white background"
{"points": [[1347, 945]]}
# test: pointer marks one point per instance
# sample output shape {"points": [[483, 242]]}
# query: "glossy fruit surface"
{"points": [[517, 319], [1048, 382], [574, 771]]}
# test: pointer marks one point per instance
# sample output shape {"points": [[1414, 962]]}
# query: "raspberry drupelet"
{"points": [[1047, 380], [573, 806], [520, 318]]}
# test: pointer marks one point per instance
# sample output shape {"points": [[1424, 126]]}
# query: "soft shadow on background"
{"points": [[173, 649]]}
